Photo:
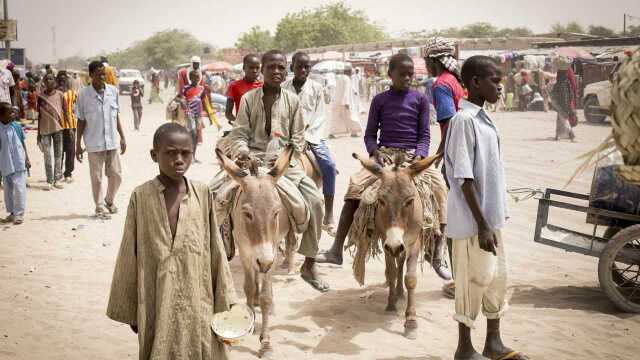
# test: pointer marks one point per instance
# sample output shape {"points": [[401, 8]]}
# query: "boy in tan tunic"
{"points": [[171, 273]]}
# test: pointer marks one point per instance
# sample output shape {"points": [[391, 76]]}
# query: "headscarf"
{"points": [[442, 50]]}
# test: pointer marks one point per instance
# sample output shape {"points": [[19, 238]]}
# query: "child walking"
{"points": [[171, 273], [136, 104], [14, 164], [477, 212]]}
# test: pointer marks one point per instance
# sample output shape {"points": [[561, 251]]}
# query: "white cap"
{"points": [[195, 59]]}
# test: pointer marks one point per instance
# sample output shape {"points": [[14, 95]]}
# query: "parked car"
{"points": [[126, 78], [597, 99]]}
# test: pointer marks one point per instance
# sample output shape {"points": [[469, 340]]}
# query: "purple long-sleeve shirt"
{"points": [[402, 119]]}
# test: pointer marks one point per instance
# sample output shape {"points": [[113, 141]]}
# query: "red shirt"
{"points": [[238, 88]]}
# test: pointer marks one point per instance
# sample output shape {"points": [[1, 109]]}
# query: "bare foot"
{"points": [[329, 257]]}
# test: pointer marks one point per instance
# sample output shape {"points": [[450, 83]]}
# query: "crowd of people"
{"points": [[268, 113]]}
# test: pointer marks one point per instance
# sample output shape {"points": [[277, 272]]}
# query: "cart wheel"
{"points": [[619, 269], [611, 232]]}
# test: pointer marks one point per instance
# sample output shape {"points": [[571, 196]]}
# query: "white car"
{"points": [[597, 99], [126, 77]]}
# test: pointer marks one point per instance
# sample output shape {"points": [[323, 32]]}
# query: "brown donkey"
{"points": [[399, 219], [260, 224]]}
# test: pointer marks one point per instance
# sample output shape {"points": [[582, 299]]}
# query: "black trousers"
{"points": [[68, 150]]}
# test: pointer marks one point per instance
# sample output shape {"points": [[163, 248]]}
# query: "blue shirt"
{"points": [[443, 102], [12, 155], [100, 112], [402, 118], [472, 151]]}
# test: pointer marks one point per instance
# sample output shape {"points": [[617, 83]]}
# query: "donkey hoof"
{"points": [[411, 334], [411, 329], [266, 352], [391, 308]]}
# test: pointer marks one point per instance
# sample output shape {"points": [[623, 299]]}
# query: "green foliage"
{"points": [[633, 30], [257, 39], [163, 50], [475, 30], [601, 31], [327, 25], [570, 27], [75, 62]]}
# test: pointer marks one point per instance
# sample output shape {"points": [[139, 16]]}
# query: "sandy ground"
{"points": [[55, 270]]}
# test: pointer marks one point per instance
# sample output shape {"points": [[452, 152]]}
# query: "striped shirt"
{"points": [[70, 100]]}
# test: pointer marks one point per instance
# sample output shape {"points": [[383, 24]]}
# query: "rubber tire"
{"points": [[591, 100], [607, 283]]}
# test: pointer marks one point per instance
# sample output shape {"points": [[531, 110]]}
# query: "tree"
{"points": [[570, 27], [514, 32], [163, 50], [257, 39], [75, 62], [478, 30], [601, 31], [327, 25], [633, 30]]}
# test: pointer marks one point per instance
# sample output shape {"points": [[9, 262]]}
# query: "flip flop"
{"points": [[512, 355], [316, 284], [477, 356]]}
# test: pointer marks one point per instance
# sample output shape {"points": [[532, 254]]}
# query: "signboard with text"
{"points": [[8, 30], [17, 56]]}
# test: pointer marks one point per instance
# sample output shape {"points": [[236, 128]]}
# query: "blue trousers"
{"points": [[15, 192], [327, 166]]}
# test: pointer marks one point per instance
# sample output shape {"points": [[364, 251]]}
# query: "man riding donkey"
{"points": [[313, 100], [267, 116], [401, 116], [262, 207]]}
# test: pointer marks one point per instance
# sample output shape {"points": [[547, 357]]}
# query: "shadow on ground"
{"points": [[583, 298]]}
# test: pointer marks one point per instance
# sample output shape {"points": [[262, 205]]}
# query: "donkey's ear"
{"points": [[282, 164], [369, 164], [421, 165], [230, 167]]}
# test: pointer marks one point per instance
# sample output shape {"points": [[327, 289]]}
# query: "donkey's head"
{"points": [[259, 205], [399, 214]]}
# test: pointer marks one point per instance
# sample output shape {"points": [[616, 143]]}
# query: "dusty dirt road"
{"points": [[55, 270]]}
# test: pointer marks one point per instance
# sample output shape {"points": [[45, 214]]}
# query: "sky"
{"points": [[87, 27]]}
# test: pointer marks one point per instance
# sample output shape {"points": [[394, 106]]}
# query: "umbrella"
{"points": [[574, 53], [330, 66], [218, 66]]}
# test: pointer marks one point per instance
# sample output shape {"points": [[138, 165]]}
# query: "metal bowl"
{"points": [[234, 324]]}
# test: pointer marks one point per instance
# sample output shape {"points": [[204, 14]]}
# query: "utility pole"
{"points": [[53, 44], [624, 24], [7, 44]]}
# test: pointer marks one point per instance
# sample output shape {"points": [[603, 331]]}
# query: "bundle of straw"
{"points": [[625, 114], [625, 109]]}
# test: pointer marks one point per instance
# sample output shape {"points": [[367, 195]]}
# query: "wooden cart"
{"points": [[615, 204]]}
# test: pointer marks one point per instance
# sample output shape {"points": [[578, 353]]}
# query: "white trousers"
{"points": [[481, 280]]}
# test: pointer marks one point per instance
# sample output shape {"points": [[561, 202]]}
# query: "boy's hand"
{"points": [[242, 159], [123, 146], [487, 240], [27, 163], [378, 157], [79, 152], [134, 328]]}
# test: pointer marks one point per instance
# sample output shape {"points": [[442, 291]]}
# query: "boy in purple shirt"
{"points": [[401, 117]]}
